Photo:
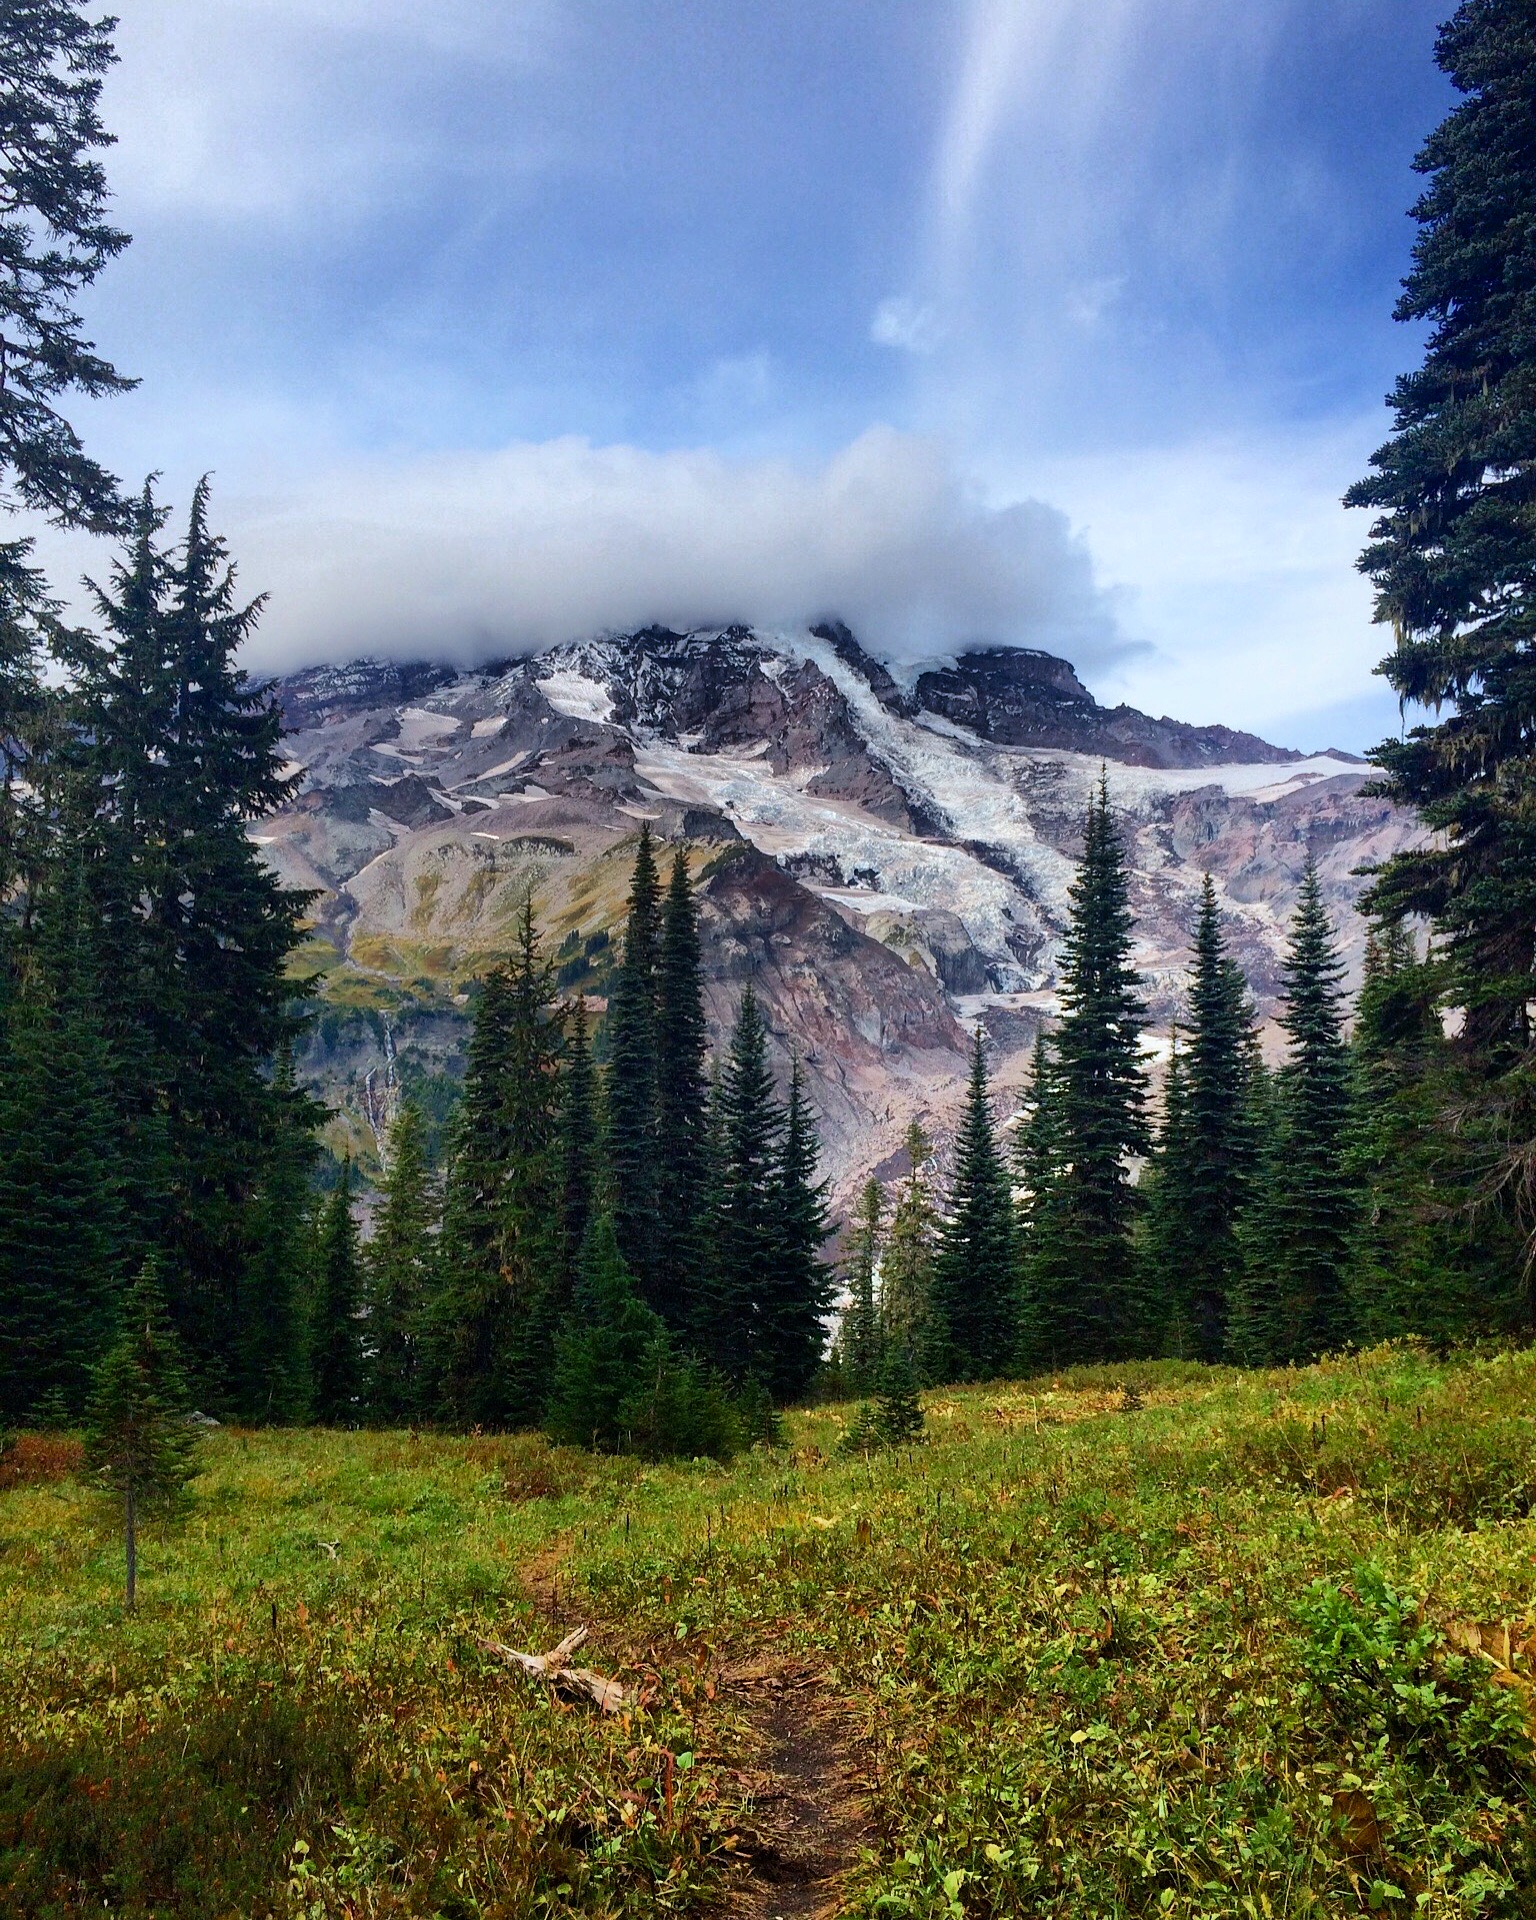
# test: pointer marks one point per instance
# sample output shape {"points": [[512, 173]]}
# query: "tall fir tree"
{"points": [[1043, 1276], [605, 1346], [1453, 552], [1205, 1166], [63, 1233], [1168, 1248], [1089, 1300], [55, 238], [745, 1228], [336, 1312], [681, 1102], [138, 1440], [907, 1319], [860, 1343], [1421, 1261], [399, 1272], [270, 1383], [976, 1277], [793, 1313], [1291, 1301], [177, 753], [31, 725], [503, 1281], [532, 1242], [632, 1080], [580, 1140], [466, 1317]]}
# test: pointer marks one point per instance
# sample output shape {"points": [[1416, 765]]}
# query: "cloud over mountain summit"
{"points": [[464, 556]]}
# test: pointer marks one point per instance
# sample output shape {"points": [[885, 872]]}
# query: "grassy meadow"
{"points": [[1153, 1640]]}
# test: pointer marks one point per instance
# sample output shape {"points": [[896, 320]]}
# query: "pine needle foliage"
{"points": [[63, 1232], [399, 1274], [336, 1312], [860, 1336], [976, 1279], [1453, 551], [175, 753], [801, 1295], [898, 1409], [502, 1284], [603, 1349], [55, 238], [580, 1139], [682, 1092], [270, 1383], [1292, 1301], [139, 1442], [735, 1330], [1088, 1298], [1205, 1163], [907, 1316], [633, 1091]]}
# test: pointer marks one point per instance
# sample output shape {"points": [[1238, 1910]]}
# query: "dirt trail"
{"points": [[808, 1818]]}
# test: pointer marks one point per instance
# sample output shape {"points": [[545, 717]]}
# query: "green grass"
{"points": [[1213, 1653]]}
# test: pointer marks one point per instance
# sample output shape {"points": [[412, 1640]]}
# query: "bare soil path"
{"points": [[808, 1818], [803, 1783]]}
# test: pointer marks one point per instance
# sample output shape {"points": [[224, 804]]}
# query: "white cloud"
{"points": [[270, 108], [1087, 304], [900, 322], [469, 555]]}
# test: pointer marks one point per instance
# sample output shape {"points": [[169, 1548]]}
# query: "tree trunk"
{"points": [[131, 1547]]}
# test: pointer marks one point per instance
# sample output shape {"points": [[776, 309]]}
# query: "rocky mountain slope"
{"points": [[887, 863]]}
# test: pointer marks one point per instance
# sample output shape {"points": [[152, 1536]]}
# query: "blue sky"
{"points": [[1056, 321]]}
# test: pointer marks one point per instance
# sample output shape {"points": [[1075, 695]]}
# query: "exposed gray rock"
{"points": [[887, 867]]}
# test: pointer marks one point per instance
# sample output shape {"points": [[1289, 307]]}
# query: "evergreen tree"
{"points": [[793, 1312], [1044, 1275], [31, 723], [336, 1307], [1169, 1251], [681, 1102], [975, 1286], [54, 240], [399, 1267], [62, 1231], [1206, 1164], [1089, 1303], [1292, 1300], [176, 754], [1421, 1261], [745, 1225], [632, 1082], [906, 1313], [580, 1139], [859, 1340], [271, 1375], [608, 1341], [467, 1314], [1453, 552], [502, 1290], [532, 1249], [898, 1410], [138, 1438], [678, 1408], [759, 1421]]}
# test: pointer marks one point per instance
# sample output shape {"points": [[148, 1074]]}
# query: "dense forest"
{"points": [[636, 1256]]}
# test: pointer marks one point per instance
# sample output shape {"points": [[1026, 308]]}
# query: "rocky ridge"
{"points": [[887, 863]]}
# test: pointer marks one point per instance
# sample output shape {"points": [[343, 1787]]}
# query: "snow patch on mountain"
{"points": [[577, 695]]}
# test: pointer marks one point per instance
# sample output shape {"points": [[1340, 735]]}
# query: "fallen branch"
{"points": [[581, 1682]]}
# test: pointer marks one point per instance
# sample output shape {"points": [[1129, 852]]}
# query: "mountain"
{"points": [[888, 863]]}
